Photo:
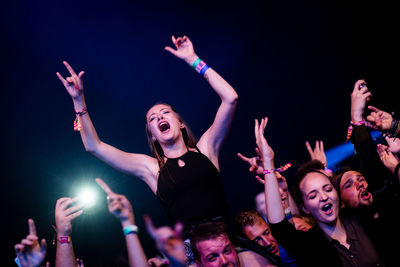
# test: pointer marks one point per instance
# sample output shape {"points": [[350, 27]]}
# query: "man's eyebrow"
{"points": [[348, 181], [211, 254], [228, 246]]}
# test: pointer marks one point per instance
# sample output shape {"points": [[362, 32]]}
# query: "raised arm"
{"points": [[272, 197], [139, 165], [31, 253], [121, 208], [65, 213], [373, 168], [168, 241], [210, 142], [256, 167]]}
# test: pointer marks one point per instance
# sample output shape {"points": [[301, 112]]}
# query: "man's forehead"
{"points": [[211, 245], [259, 226], [350, 174]]}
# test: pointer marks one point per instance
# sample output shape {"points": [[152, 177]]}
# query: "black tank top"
{"points": [[193, 192]]}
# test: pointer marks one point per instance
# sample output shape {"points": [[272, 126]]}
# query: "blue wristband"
{"points": [[204, 69], [130, 229], [17, 262]]}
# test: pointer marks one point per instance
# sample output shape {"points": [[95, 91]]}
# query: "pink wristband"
{"points": [[64, 239]]}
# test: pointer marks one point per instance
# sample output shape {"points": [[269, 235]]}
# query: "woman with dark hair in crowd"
{"points": [[337, 239]]}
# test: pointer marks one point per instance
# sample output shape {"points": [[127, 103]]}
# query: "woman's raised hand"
{"points": [[266, 152], [184, 49], [73, 83]]}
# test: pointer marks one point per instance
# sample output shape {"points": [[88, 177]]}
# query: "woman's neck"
{"points": [[335, 231], [174, 150]]}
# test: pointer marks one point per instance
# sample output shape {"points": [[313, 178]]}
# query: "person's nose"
{"points": [[224, 260], [360, 185], [323, 196], [267, 242]]}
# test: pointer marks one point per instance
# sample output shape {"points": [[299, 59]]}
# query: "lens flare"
{"points": [[87, 197]]}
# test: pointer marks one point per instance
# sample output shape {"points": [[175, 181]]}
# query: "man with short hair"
{"points": [[255, 228], [212, 247]]}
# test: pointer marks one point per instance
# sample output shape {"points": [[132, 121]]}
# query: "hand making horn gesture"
{"points": [[184, 49], [73, 83]]}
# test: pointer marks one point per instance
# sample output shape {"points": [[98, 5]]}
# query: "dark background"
{"points": [[293, 61]]}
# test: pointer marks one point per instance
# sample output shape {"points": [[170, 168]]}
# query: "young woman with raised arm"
{"points": [[337, 239], [182, 173]]}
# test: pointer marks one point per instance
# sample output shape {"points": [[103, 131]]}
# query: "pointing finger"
{"points": [[32, 227], [104, 186], [149, 225], [246, 159]]}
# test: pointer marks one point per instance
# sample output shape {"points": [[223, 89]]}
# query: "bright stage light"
{"points": [[87, 197]]}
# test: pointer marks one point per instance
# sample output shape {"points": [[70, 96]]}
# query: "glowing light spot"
{"points": [[87, 197]]}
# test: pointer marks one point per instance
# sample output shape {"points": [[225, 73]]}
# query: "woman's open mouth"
{"points": [[327, 208], [163, 126]]}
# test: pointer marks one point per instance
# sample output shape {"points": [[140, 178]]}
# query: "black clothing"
{"points": [[193, 192], [372, 167], [314, 248], [381, 219]]}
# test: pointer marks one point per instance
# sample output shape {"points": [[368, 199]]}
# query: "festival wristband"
{"points": [[280, 169], [77, 123], [64, 239], [130, 229], [195, 63], [204, 69], [350, 129], [200, 66], [17, 262]]}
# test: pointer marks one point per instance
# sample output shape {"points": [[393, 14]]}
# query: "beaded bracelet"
{"points": [[350, 129], [280, 169], [77, 124]]}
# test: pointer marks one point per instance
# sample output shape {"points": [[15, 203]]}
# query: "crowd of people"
{"points": [[340, 218]]}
